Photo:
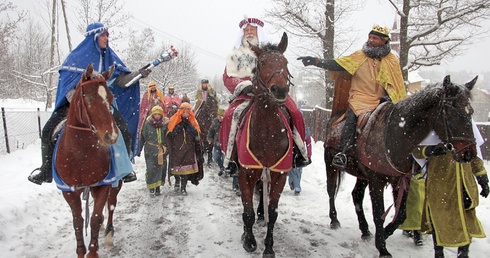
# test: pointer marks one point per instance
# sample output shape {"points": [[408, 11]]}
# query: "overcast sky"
{"points": [[210, 29]]}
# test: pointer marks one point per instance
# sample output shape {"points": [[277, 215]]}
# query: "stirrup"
{"points": [[130, 177], [39, 178], [339, 160]]}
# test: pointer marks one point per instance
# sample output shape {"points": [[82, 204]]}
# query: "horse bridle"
{"points": [[90, 126], [281, 72], [449, 138]]}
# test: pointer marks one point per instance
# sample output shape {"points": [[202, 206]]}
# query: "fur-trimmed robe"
{"points": [[238, 75]]}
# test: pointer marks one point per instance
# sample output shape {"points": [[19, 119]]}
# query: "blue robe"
{"points": [[88, 51]]}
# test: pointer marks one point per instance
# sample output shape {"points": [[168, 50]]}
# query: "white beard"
{"points": [[250, 40]]}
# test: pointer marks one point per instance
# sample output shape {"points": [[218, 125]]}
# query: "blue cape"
{"points": [[88, 51]]}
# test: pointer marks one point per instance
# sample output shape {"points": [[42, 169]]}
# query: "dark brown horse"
{"points": [[204, 116], [266, 134], [382, 155], [83, 156]]}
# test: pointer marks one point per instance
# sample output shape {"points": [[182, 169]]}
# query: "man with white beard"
{"points": [[237, 78]]}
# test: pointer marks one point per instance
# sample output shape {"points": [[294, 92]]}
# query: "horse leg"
{"points": [[333, 181], [376, 187], [278, 180], [73, 200], [438, 250], [247, 179], [99, 194], [260, 207], [111, 206], [402, 214], [358, 198]]}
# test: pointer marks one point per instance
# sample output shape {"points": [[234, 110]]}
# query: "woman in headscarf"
{"points": [[184, 146], [153, 140]]}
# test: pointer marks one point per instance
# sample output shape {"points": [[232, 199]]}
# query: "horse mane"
{"points": [[430, 96], [270, 47]]}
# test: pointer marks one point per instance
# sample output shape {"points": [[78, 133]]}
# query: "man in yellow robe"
{"points": [[373, 76]]}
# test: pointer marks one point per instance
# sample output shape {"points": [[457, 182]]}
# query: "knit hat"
{"points": [[221, 112], [157, 110], [382, 32]]}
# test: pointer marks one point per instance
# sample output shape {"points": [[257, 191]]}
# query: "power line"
{"points": [[141, 25]]}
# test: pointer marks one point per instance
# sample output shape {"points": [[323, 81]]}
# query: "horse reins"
{"points": [[90, 127], [281, 72], [449, 135]]}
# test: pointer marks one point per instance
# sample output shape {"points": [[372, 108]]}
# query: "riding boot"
{"points": [[45, 175], [346, 140], [123, 126], [48, 141], [299, 160], [463, 251]]}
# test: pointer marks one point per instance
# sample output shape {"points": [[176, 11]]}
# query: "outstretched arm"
{"points": [[328, 64]]}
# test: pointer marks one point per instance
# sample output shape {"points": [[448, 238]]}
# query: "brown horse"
{"points": [[266, 134], [204, 116], [83, 156], [383, 152]]}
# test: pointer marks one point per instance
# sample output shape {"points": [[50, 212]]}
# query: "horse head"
{"points": [[271, 73], [454, 124], [93, 99]]}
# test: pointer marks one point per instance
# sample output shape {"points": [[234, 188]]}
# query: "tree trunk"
{"points": [[328, 48], [51, 56], [66, 25], [404, 44]]}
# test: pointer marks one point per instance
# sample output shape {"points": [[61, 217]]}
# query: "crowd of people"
{"points": [[166, 128]]}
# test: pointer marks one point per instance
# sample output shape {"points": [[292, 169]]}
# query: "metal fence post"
{"points": [[39, 122], [5, 130]]}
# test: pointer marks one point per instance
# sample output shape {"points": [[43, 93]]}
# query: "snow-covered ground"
{"points": [[35, 221]]}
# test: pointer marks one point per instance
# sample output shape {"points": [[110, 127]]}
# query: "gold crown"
{"points": [[379, 29]]}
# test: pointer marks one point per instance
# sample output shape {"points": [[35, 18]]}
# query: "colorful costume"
{"points": [[153, 139], [184, 146]]}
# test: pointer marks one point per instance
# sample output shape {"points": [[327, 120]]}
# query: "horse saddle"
{"points": [[247, 157]]}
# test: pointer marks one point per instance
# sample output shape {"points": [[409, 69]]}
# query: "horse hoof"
{"points": [[249, 244], [335, 225], [250, 247], [269, 255], [367, 237], [385, 256]]}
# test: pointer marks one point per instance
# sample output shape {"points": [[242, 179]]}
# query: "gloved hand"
{"points": [[435, 150], [308, 60], [384, 99], [483, 182], [144, 72], [248, 90]]}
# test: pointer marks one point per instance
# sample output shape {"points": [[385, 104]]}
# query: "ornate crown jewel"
{"points": [[382, 30]]}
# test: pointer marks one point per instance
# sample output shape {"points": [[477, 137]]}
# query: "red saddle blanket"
{"points": [[246, 157]]}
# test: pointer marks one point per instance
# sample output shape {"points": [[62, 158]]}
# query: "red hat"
{"points": [[253, 21]]}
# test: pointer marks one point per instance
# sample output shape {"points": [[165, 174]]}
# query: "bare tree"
{"points": [[180, 71], [8, 27], [31, 70], [433, 30], [109, 12], [316, 23]]}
